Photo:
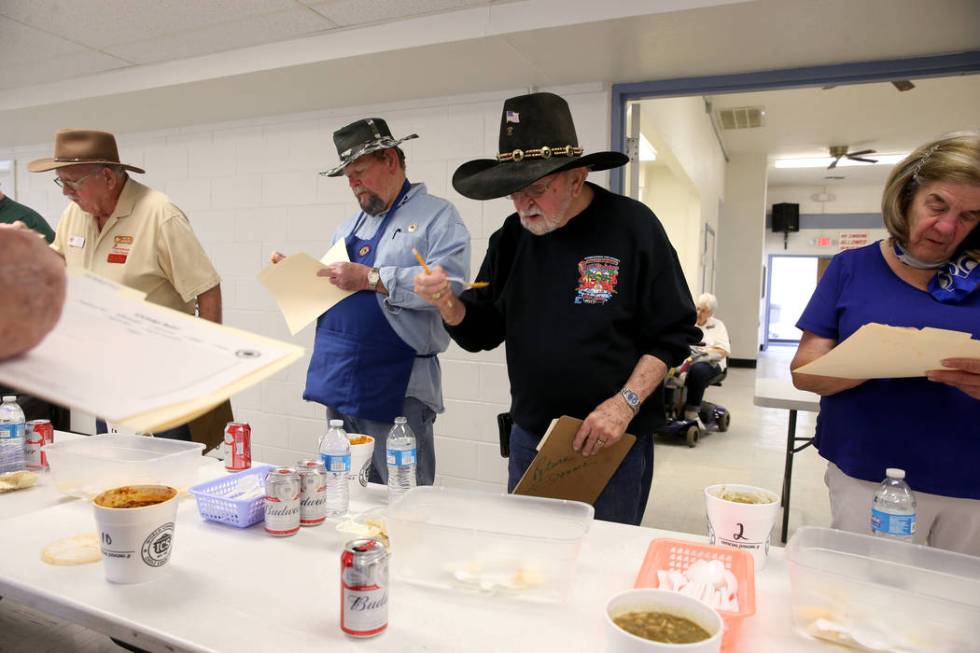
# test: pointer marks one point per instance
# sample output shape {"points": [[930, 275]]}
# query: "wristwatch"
{"points": [[374, 276], [632, 399]]}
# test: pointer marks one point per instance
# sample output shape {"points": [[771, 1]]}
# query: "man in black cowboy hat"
{"points": [[128, 232], [375, 352], [584, 288]]}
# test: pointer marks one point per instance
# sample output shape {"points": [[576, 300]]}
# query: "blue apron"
{"points": [[360, 366]]}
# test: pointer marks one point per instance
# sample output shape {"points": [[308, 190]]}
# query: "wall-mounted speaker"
{"points": [[785, 217]]}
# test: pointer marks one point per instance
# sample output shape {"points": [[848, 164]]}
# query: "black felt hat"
{"points": [[359, 138], [537, 138]]}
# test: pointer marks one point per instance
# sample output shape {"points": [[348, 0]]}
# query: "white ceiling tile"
{"points": [[360, 12], [100, 23], [21, 43], [61, 67], [255, 30]]}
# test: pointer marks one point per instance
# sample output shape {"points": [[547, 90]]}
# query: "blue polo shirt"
{"points": [[929, 429]]}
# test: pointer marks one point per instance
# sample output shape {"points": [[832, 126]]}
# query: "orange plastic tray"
{"points": [[677, 555]]}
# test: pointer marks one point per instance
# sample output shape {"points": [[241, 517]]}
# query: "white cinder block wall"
{"points": [[251, 187]]}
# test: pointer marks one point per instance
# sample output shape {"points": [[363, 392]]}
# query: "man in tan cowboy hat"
{"points": [[584, 288], [374, 356], [125, 231]]}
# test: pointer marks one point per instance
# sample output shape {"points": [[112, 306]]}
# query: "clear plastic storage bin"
{"points": [[495, 544], [878, 594], [86, 467]]}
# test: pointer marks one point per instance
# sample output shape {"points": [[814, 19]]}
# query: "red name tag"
{"points": [[116, 258]]}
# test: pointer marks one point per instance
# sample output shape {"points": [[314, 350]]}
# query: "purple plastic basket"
{"points": [[214, 504]]}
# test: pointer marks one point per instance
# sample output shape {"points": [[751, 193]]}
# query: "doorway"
{"points": [[791, 282]]}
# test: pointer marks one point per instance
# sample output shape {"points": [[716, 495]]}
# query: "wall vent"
{"points": [[742, 117]]}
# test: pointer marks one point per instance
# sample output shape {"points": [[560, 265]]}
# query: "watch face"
{"points": [[373, 277], [631, 397]]}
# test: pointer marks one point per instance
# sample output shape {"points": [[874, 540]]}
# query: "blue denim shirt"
{"points": [[433, 227]]}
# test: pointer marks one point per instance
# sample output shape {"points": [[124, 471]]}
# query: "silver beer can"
{"points": [[313, 492], [364, 588], [282, 490]]}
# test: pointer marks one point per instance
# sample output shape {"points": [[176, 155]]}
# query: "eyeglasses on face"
{"points": [[534, 191], [73, 185]]}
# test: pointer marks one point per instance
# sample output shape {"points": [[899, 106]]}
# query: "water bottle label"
{"points": [[9, 431], [401, 457], [889, 524], [336, 463]]}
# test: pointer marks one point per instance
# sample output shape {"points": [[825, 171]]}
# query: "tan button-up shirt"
{"points": [[147, 244]]}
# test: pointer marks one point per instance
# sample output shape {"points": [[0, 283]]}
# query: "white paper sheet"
{"points": [[140, 364], [302, 296], [877, 351]]}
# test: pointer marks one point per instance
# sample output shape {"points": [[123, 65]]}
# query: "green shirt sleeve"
{"points": [[11, 211]]}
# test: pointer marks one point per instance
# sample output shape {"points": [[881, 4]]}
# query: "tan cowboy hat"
{"points": [[75, 147]]}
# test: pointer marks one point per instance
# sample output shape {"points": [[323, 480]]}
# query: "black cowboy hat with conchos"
{"points": [[537, 138], [359, 138]]}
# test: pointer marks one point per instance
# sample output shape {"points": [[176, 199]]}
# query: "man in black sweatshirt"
{"points": [[585, 289]]}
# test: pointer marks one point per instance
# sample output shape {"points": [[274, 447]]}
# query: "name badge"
{"points": [[76, 241]]}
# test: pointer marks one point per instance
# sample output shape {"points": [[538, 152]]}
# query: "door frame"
{"points": [[860, 72]]}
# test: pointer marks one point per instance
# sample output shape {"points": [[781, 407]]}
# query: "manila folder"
{"points": [[560, 472]]}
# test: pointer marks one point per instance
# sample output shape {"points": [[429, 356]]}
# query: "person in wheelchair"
{"points": [[708, 359]]}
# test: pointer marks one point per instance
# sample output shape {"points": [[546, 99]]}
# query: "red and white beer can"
{"points": [[237, 446], [313, 492], [364, 588], [38, 432], [282, 490]]}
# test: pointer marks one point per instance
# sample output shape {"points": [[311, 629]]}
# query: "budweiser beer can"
{"points": [[313, 492], [237, 446], [364, 588], [282, 502], [38, 432]]}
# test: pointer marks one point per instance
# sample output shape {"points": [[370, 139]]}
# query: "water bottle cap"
{"points": [[401, 420], [10, 397], [338, 423], [895, 472]]}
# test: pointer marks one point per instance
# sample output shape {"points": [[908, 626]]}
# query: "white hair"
{"points": [[707, 301]]}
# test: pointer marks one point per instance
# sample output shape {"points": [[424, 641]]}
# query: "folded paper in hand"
{"points": [[877, 351], [302, 295], [560, 472], [138, 364]]}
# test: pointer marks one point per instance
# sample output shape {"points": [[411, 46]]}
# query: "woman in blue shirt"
{"points": [[925, 275]]}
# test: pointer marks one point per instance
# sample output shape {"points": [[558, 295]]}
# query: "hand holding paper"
{"points": [[877, 351], [303, 296]]}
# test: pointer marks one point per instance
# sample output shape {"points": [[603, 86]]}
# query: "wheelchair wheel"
{"points": [[724, 421], [692, 435]]}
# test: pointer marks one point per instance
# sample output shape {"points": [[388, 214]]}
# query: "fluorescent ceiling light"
{"points": [[824, 161], [647, 153]]}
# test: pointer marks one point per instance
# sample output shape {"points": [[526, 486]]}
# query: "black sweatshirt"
{"points": [[578, 307]]}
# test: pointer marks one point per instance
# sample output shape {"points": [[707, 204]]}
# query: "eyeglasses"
{"points": [[534, 191], [73, 185]]}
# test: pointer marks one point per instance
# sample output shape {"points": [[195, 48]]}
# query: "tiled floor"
{"points": [[752, 451]]}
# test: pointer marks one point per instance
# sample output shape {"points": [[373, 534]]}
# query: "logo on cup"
{"points": [[362, 477], [156, 547]]}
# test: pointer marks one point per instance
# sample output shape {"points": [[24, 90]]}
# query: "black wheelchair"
{"points": [[713, 416]]}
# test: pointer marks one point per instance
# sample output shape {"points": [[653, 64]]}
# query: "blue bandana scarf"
{"points": [[954, 280]]}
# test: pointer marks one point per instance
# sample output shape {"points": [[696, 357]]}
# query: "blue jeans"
{"points": [[182, 432], [623, 500], [420, 418]]}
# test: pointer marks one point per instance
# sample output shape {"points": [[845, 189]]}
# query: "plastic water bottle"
{"points": [[893, 509], [11, 435], [400, 453], [335, 454]]}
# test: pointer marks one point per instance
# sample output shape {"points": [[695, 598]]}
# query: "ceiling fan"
{"points": [[839, 152]]}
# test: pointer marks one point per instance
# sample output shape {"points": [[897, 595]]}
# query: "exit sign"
{"points": [[823, 241]]}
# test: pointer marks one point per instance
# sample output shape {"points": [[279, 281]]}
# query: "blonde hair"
{"points": [[954, 158]]}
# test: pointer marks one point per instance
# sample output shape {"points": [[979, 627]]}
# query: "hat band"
{"points": [[543, 152], [61, 159]]}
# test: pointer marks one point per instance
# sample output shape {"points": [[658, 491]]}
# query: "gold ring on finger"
{"points": [[437, 295]]}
